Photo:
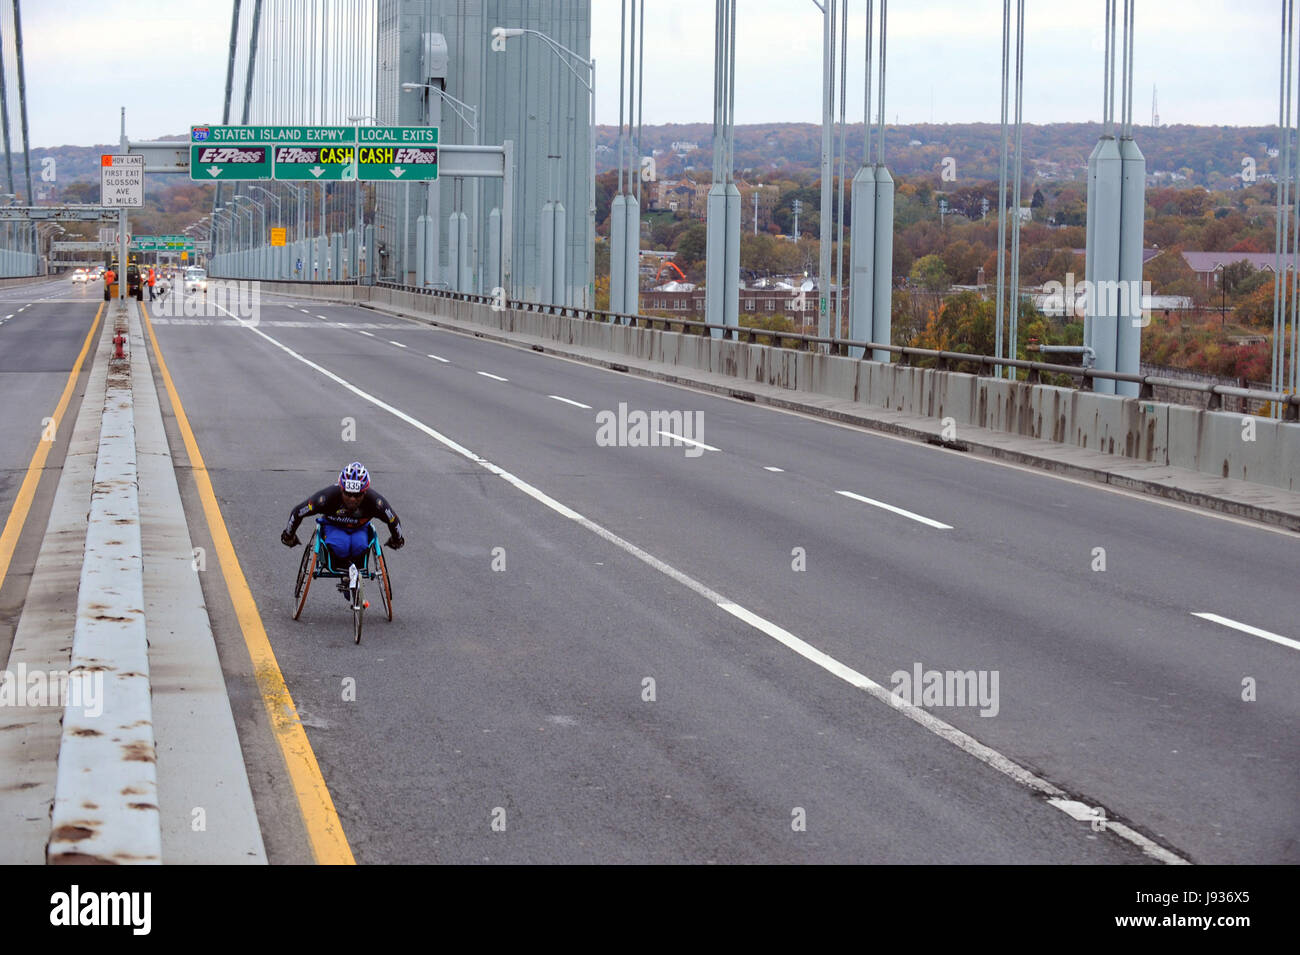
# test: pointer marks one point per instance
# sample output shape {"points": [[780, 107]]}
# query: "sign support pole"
{"points": [[122, 223]]}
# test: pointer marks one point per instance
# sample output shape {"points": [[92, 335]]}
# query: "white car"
{"points": [[196, 279], [80, 276]]}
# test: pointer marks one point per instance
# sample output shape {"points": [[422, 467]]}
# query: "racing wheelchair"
{"points": [[317, 561]]}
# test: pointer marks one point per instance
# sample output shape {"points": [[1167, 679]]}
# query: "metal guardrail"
{"points": [[907, 354]]}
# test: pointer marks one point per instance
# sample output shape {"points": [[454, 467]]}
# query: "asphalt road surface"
{"points": [[659, 653]]}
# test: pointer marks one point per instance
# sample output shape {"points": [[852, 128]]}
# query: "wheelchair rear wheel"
{"points": [[306, 569], [385, 585]]}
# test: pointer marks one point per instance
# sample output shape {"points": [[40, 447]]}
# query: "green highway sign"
{"points": [[314, 163], [398, 135], [397, 163], [225, 135], [314, 153], [208, 163]]}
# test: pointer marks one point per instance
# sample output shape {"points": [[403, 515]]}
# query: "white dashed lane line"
{"points": [[690, 441], [777, 470], [364, 332], [1247, 628], [438, 358], [488, 374], [398, 344], [567, 401], [896, 510]]}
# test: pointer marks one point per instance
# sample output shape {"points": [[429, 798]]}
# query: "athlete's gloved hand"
{"points": [[395, 542], [289, 539]]}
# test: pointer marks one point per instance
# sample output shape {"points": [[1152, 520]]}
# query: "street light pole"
{"points": [[356, 174], [259, 263], [590, 85], [283, 253], [301, 224], [459, 107]]}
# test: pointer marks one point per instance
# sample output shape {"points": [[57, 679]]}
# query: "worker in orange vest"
{"points": [[152, 279]]}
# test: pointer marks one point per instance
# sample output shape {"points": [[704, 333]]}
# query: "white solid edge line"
{"points": [[445, 361], [398, 344], [929, 721], [778, 470], [1247, 628], [488, 374], [569, 401], [896, 510], [698, 444]]}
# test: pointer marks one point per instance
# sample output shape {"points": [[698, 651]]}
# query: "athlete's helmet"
{"points": [[354, 478]]}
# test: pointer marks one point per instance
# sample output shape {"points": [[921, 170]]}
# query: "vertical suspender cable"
{"points": [[230, 82], [866, 94], [1280, 222], [22, 101], [1295, 276], [731, 95], [1123, 76], [718, 142], [631, 106], [1002, 184], [837, 328], [252, 61], [640, 96], [1017, 168], [312, 114], [1107, 70], [622, 73], [880, 137], [1290, 193], [4, 119]]}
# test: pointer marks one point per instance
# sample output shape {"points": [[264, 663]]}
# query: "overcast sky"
{"points": [[1214, 61]]}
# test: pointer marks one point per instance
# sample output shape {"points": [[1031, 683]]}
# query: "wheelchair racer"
{"points": [[347, 509]]}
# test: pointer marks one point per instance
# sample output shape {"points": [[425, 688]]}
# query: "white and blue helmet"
{"points": [[354, 478]]}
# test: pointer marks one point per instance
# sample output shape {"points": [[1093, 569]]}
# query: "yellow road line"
{"points": [[329, 844], [23, 502]]}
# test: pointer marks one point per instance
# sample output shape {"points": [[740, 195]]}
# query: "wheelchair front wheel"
{"points": [[358, 607]]}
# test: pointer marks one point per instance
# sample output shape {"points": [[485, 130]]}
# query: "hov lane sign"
{"points": [[121, 180]]}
